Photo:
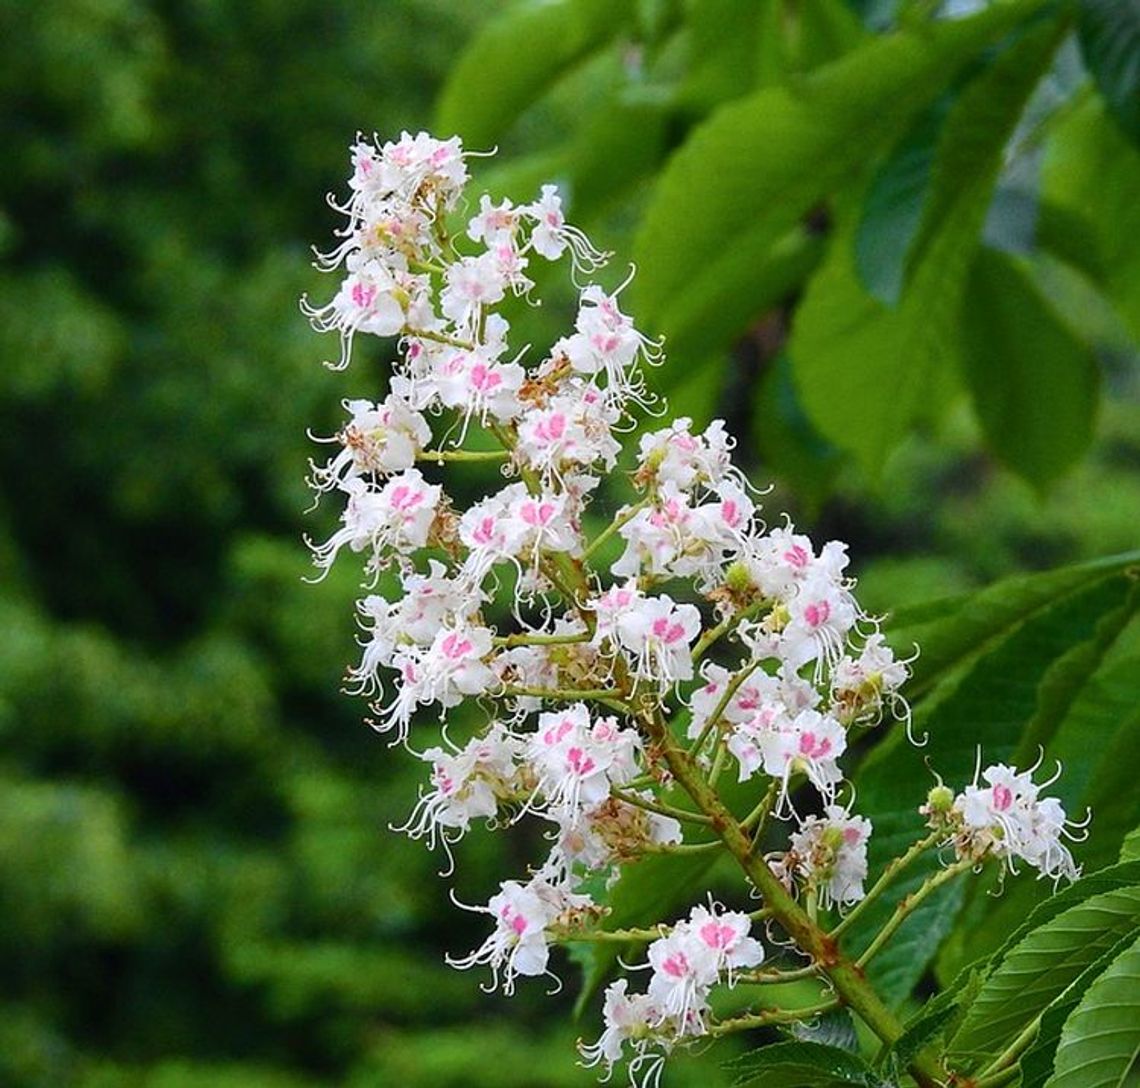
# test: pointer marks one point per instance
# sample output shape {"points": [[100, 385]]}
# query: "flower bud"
{"points": [[939, 801], [738, 578]]}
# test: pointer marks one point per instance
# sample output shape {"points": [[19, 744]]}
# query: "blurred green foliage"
{"points": [[196, 883], [875, 211]]}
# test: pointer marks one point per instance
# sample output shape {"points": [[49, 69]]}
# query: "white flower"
{"points": [[676, 456], [472, 284], [660, 539], [494, 222], [831, 854], [859, 685], [684, 970], [659, 634], [478, 386], [428, 601], [398, 516], [1006, 818], [607, 343], [710, 943], [576, 760], [373, 298], [378, 439], [518, 945], [454, 664], [673, 538], [782, 559], [551, 235], [445, 672], [810, 743], [631, 1018], [752, 739], [574, 428], [822, 613], [611, 606], [466, 784]]}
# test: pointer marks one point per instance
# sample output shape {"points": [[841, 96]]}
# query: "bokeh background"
{"points": [[197, 888]]}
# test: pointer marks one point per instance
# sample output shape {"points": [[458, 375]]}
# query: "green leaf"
{"points": [[867, 372], [1040, 968], [612, 150], [1101, 1040], [1035, 383], [924, 1029], [892, 208], [953, 633], [1037, 1062], [1070, 237], [988, 704], [1110, 792], [518, 55], [1089, 179], [759, 163], [755, 275], [897, 969], [724, 48], [799, 38], [1088, 721], [1070, 677], [1110, 44], [801, 1065], [1130, 849], [1107, 880], [1039, 663]]}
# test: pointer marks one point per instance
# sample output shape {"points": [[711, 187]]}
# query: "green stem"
{"points": [[660, 807], [1014, 1051], [771, 1016], [734, 686], [774, 975], [623, 518], [760, 813], [612, 936], [892, 870], [846, 977], [719, 761], [910, 904], [725, 625], [611, 697], [439, 338], [680, 847], [438, 457], [430, 266], [997, 1080], [537, 638]]}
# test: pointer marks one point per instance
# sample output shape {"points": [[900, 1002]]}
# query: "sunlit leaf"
{"points": [[759, 163], [867, 372], [516, 56]]}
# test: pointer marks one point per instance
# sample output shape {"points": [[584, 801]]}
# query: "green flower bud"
{"points": [[940, 800]]}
